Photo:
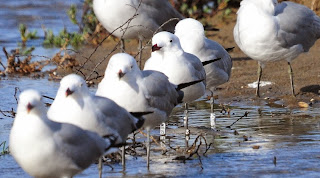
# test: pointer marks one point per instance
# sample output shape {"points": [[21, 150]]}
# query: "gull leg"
{"points": [[123, 158], [186, 113], [212, 115], [134, 140], [140, 54], [100, 167], [186, 141], [122, 46], [162, 134], [291, 78], [148, 148], [259, 79]]}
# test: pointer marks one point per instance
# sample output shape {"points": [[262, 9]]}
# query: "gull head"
{"points": [[72, 85], [267, 6], [30, 102], [122, 66], [165, 42], [189, 27]]}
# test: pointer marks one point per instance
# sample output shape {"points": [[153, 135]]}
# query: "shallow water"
{"points": [[292, 136], [34, 14], [288, 139]]}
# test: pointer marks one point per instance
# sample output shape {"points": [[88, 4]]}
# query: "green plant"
{"points": [[27, 51], [64, 38], [72, 13], [5, 149], [75, 39], [89, 19], [196, 9], [224, 5], [25, 34]]}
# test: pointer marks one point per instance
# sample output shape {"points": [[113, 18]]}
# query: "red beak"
{"points": [[68, 92], [155, 48], [120, 74], [29, 107]]}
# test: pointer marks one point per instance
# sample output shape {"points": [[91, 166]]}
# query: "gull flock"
{"points": [[80, 127]]}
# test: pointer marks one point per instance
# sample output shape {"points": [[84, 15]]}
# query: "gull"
{"points": [[270, 31], [193, 40], [44, 148], [138, 90], [169, 58], [75, 104], [135, 19]]}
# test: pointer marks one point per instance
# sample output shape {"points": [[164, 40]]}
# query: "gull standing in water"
{"points": [[193, 40], [75, 104], [169, 58], [135, 19], [44, 148], [269, 31], [138, 90]]}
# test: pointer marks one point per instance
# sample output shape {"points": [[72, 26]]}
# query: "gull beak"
{"points": [[68, 92], [29, 107], [120, 74], [155, 48]]}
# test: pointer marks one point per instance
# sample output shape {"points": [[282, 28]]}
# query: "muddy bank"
{"points": [[306, 69]]}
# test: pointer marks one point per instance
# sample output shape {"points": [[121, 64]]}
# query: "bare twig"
{"points": [[159, 28], [100, 62], [48, 97], [120, 27], [124, 27], [151, 137], [4, 67], [169, 145], [194, 145], [199, 137], [5, 52], [115, 48], [16, 90], [196, 151], [245, 115], [10, 114], [20, 55]]}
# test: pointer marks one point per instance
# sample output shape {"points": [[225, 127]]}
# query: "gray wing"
{"points": [[160, 93], [199, 72], [298, 25], [115, 116], [161, 11], [218, 51], [81, 146], [218, 71]]}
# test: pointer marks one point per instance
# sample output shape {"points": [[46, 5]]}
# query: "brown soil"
{"points": [[306, 69]]}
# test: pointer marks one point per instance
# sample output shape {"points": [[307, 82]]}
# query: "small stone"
{"points": [[303, 104], [255, 147]]}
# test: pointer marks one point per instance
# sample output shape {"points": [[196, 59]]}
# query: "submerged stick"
{"points": [[245, 115]]}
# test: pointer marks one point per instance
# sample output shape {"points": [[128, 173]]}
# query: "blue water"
{"points": [[292, 136], [35, 15]]}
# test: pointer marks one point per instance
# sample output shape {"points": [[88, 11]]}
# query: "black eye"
{"points": [[170, 41], [131, 67]]}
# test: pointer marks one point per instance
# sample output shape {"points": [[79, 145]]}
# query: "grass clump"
{"points": [[5, 149]]}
